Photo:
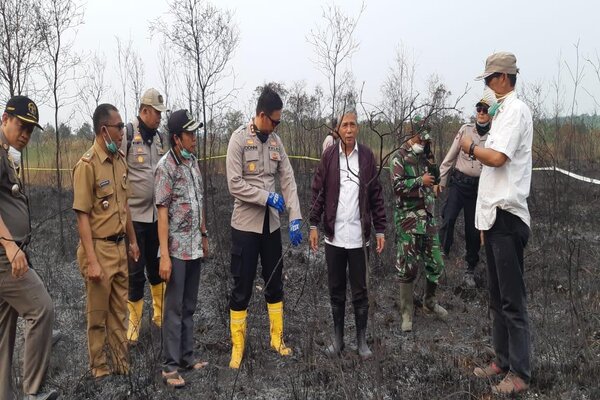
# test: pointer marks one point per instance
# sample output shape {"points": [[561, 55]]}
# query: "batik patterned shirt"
{"points": [[178, 186]]}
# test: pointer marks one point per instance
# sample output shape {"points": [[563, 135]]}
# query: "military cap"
{"points": [[23, 108]]}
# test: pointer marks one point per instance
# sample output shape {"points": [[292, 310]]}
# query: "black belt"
{"points": [[464, 178], [113, 238]]}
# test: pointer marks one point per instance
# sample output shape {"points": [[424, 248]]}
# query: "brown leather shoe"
{"points": [[511, 384], [491, 370]]}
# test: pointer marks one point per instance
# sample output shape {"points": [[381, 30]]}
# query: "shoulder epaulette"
{"points": [[87, 157], [241, 128]]}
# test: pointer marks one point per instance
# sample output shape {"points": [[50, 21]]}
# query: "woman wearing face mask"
{"points": [[460, 173], [183, 242], [413, 172]]}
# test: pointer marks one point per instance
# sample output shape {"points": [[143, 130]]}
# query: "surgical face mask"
{"points": [[417, 148], [490, 97], [186, 154], [15, 154], [112, 146]]}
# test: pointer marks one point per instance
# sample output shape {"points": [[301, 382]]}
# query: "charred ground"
{"points": [[433, 362]]}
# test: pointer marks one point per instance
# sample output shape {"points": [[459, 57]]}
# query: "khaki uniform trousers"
{"points": [[28, 298], [106, 308]]}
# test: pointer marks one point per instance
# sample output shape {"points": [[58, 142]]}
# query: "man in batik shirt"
{"points": [[183, 242]]}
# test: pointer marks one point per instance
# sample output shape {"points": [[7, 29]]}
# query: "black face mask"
{"points": [[261, 136], [147, 133], [483, 129]]}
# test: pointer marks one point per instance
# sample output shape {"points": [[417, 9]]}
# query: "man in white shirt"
{"points": [[346, 192], [502, 214]]}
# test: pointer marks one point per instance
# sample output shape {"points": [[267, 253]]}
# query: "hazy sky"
{"points": [[448, 38]]}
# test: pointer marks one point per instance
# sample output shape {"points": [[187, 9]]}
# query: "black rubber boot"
{"points": [[361, 315], [430, 304], [335, 349]]}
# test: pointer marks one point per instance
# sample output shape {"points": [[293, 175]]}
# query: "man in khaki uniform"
{"points": [[460, 173], [256, 155], [100, 200], [21, 289], [143, 148]]}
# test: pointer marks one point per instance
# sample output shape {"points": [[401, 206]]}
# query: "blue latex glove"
{"points": [[276, 201], [295, 234]]}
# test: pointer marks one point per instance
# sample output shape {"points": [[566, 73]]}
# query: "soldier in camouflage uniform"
{"points": [[414, 172]]}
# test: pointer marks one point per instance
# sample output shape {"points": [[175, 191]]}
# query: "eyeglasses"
{"points": [[275, 122], [481, 109], [120, 126]]}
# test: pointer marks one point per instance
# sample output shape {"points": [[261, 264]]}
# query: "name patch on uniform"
{"points": [[248, 148], [103, 183]]}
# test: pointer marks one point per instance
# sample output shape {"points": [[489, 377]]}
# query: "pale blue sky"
{"points": [[449, 38]]}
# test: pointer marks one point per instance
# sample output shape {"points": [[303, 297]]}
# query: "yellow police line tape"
{"points": [[557, 169], [200, 159]]}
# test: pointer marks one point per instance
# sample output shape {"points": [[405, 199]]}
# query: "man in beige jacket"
{"points": [[255, 156], [460, 173], [144, 146]]}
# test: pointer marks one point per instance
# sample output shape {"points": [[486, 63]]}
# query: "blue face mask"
{"points": [[186, 154], [111, 147]]}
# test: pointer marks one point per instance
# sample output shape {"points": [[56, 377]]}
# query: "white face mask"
{"points": [[417, 148], [15, 155], [490, 97]]}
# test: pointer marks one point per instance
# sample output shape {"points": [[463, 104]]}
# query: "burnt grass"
{"points": [[435, 361]]}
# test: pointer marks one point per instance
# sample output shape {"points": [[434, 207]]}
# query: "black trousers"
{"points": [[181, 298], [245, 249], [504, 245], [338, 259], [147, 239], [461, 196]]}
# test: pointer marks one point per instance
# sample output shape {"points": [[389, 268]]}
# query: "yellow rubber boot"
{"points": [[276, 319], [135, 309], [158, 298], [237, 323]]}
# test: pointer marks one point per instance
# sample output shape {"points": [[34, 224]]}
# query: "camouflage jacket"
{"points": [[413, 209]]}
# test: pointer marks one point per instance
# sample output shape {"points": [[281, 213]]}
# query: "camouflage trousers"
{"points": [[414, 249]]}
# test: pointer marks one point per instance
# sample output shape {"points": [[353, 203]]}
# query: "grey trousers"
{"points": [[28, 298], [178, 319]]}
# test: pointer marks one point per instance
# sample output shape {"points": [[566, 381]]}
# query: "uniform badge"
{"points": [[140, 159], [273, 143], [137, 138], [275, 156], [251, 167], [249, 141]]}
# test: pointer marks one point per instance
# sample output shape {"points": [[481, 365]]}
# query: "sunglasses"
{"points": [[482, 109], [120, 126], [275, 122]]}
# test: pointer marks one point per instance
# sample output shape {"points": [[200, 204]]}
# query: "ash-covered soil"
{"points": [[433, 362]]}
